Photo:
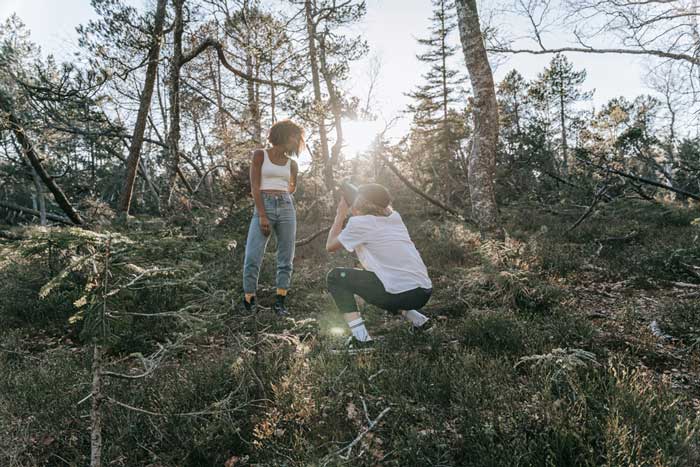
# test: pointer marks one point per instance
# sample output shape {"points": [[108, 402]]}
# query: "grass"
{"points": [[515, 373]]}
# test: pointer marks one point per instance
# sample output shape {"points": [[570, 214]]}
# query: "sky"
{"points": [[391, 28]]}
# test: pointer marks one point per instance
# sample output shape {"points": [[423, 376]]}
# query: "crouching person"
{"points": [[394, 277]]}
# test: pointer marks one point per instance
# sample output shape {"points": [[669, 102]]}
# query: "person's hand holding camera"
{"points": [[343, 209]]}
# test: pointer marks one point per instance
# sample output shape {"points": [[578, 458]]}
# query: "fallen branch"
{"points": [[204, 176], [598, 196], [693, 270], [311, 237], [362, 434], [629, 236], [423, 194], [177, 414], [685, 285], [35, 213], [641, 179], [7, 235]]}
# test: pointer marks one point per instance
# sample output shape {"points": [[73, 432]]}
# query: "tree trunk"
{"points": [[445, 124], [40, 197], [174, 85], [564, 144], [336, 109], [132, 162], [482, 163], [222, 126], [273, 97], [318, 101], [253, 104], [34, 160], [96, 409]]}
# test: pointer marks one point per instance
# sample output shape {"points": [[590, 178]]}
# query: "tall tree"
{"points": [[132, 162], [482, 163], [329, 52], [313, 18], [438, 121], [440, 90], [559, 87], [172, 165]]}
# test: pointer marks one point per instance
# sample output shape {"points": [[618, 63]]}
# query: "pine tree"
{"points": [[438, 123], [558, 88], [513, 103], [439, 92]]}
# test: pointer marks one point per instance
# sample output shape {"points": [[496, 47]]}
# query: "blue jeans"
{"points": [[279, 208]]}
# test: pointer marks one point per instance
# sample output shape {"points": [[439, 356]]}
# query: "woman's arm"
{"points": [[293, 178], [255, 177], [332, 243]]}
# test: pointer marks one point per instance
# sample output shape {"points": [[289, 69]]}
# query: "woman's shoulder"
{"points": [[258, 156]]}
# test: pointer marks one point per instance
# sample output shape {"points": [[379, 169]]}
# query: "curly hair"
{"points": [[282, 130]]}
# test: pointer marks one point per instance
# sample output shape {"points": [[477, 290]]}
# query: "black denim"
{"points": [[345, 283]]}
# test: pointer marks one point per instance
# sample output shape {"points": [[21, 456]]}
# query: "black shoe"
{"points": [[251, 306], [279, 307], [353, 345], [425, 328]]}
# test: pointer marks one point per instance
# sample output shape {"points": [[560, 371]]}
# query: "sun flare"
{"points": [[358, 136]]}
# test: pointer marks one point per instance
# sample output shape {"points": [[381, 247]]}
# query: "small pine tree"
{"points": [[557, 90], [438, 118]]}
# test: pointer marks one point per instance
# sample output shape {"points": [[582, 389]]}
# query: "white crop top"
{"points": [[273, 176]]}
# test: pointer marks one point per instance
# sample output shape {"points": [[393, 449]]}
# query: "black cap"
{"points": [[376, 194], [349, 192]]}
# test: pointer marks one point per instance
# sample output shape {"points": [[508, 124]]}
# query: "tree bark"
{"points": [[132, 162], [96, 409], [252, 69], [564, 144], [35, 161], [482, 163], [318, 101], [253, 103], [174, 85], [336, 109], [443, 45]]}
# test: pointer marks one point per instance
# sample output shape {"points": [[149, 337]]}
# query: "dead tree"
{"points": [[30, 153]]}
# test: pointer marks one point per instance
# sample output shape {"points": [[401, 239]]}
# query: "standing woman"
{"points": [[273, 180]]}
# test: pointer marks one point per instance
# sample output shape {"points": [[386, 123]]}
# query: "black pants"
{"points": [[345, 283]]}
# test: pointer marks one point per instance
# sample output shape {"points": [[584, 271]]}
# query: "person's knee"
{"points": [[333, 278]]}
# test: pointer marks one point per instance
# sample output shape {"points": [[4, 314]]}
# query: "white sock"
{"points": [[416, 318], [359, 331]]}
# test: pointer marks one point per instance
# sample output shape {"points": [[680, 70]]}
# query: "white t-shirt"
{"points": [[384, 247]]}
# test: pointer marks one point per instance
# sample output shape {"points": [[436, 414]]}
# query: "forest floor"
{"points": [[555, 347]]}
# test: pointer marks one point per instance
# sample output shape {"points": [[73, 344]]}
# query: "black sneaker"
{"points": [[251, 306], [353, 345], [279, 307], [425, 328]]}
